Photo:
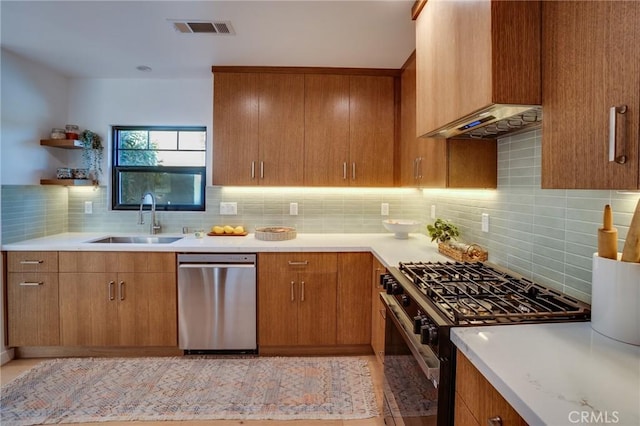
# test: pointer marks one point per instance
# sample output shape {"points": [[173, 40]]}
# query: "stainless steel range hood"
{"points": [[492, 122]]}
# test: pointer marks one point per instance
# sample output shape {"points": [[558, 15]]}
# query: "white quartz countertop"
{"points": [[558, 374], [387, 249]]}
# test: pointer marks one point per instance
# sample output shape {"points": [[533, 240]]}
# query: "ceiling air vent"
{"points": [[203, 27]]}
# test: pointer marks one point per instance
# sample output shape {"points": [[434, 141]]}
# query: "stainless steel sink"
{"points": [[137, 240]]}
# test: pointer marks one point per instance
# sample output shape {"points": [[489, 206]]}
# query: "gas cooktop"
{"points": [[476, 293]]}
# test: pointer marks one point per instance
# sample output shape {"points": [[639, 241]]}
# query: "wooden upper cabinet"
{"points": [[472, 54], [310, 126], [440, 163], [326, 119], [235, 128], [371, 130], [591, 63], [281, 129], [258, 129]]}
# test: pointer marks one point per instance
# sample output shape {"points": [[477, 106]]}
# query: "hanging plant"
{"points": [[92, 153]]}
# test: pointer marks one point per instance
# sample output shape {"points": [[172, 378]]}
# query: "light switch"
{"points": [[293, 209], [88, 207], [433, 211], [384, 209]]}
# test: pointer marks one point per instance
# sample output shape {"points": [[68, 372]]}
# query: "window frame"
{"points": [[117, 169]]}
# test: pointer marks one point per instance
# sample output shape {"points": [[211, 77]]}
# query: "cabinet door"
{"points": [[277, 301], [377, 310], [591, 62], [88, 309], [317, 309], [371, 130], [326, 130], [32, 309], [281, 129], [235, 128], [354, 299], [147, 314]]}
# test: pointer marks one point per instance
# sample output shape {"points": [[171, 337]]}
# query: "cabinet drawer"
{"points": [[117, 262], [301, 262], [32, 261]]}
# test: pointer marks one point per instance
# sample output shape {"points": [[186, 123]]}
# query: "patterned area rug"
{"points": [[129, 389]]}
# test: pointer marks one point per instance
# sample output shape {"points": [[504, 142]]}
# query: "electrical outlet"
{"points": [[88, 207], [293, 209], [433, 211], [485, 222], [384, 209], [228, 208]]}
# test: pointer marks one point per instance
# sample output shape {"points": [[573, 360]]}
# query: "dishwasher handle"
{"points": [[216, 265]]}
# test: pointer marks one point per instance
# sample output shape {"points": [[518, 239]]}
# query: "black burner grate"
{"points": [[475, 293]]}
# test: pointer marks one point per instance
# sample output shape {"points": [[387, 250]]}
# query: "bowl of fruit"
{"points": [[227, 231]]}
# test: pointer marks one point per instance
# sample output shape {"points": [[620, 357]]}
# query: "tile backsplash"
{"points": [[545, 235]]}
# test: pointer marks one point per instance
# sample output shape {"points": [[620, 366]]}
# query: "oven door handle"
{"points": [[424, 355]]}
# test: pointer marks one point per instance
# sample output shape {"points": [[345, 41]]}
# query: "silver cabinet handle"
{"points": [[31, 262], [353, 171], [494, 421], [111, 293], [302, 291], [121, 290], [31, 283], [419, 167], [613, 123], [253, 170], [262, 170], [293, 294], [415, 168], [303, 263], [344, 170]]}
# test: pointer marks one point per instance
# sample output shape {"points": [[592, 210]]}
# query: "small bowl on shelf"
{"points": [[401, 227]]}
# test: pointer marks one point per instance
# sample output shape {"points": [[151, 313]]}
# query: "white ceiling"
{"points": [[108, 39]]}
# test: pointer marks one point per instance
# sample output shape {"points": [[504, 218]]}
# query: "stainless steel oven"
{"points": [[423, 301]]}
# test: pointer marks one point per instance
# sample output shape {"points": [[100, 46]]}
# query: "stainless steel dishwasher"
{"points": [[217, 303]]}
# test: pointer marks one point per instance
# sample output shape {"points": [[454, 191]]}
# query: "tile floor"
{"points": [[16, 367]]}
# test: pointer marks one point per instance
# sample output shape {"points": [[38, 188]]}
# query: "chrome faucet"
{"points": [[154, 227]]}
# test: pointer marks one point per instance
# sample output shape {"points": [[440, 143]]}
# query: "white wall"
{"points": [[97, 104], [34, 100]]}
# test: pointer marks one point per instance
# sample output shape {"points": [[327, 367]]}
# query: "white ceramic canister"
{"points": [[615, 299]]}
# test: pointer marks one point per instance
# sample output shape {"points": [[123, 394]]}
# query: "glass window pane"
{"points": [[193, 140], [133, 139], [169, 188], [164, 139], [181, 158], [137, 158]]}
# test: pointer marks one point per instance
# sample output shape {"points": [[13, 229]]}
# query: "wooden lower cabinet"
{"points": [[117, 307], [354, 299], [477, 402], [314, 303], [377, 311], [296, 299], [32, 298]]}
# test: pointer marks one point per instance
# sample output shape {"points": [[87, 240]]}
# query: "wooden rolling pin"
{"points": [[631, 251], [608, 236]]}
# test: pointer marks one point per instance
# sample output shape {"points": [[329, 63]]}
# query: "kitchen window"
{"points": [[168, 161]]}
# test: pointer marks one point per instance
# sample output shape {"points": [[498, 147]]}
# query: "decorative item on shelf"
{"points": [[58, 133], [92, 153], [72, 131], [64, 173], [275, 233], [80, 173]]}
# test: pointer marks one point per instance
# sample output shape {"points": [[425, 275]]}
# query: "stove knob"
{"points": [[406, 301], [424, 334], [428, 334], [417, 323], [433, 334], [397, 289]]}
